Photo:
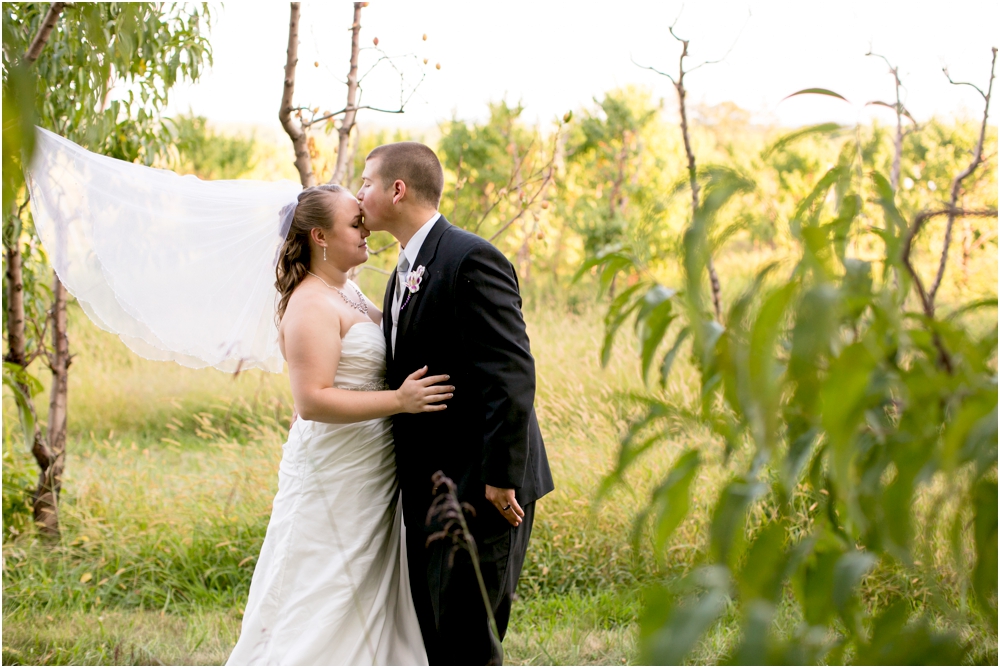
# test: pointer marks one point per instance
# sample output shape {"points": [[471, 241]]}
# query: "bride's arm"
{"points": [[312, 342]]}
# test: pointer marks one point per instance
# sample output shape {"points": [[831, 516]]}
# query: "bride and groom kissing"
{"points": [[440, 378]]}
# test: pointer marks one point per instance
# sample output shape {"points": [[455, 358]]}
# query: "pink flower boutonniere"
{"points": [[412, 284]]}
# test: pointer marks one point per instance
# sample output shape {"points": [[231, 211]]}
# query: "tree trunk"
{"points": [[42, 36], [300, 141], [351, 110], [46, 507], [50, 467]]}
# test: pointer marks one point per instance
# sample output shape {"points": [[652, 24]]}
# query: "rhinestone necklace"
{"points": [[361, 305]]}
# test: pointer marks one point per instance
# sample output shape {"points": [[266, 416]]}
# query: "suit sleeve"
{"points": [[502, 367]]}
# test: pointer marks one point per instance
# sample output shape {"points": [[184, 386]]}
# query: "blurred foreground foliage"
{"points": [[860, 426]]}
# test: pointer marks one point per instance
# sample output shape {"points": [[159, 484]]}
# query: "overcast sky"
{"points": [[554, 56]]}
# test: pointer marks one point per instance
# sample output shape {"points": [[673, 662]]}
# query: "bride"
{"points": [[331, 582], [177, 267]]}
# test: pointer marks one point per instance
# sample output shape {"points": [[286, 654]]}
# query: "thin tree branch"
{"points": [[334, 114], [926, 298], [350, 109], [898, 153], [729, 50], [383, 248], [956, 184]]}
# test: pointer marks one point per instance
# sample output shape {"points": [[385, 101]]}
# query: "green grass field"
{"points": [[171, 472], [169, 480]]}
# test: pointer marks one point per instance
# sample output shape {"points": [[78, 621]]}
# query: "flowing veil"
{"points": [[179, 268]]}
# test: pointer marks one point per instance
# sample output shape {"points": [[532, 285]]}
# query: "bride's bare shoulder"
{"points": [[309, 309]]}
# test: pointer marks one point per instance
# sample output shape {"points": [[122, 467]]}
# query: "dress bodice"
{"points": [[362, 358]]}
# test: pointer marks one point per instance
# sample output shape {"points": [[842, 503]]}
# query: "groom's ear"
{"points": [[398, 190]]}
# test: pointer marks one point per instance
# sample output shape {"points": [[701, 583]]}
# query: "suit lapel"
{"points": [[425, 258]]}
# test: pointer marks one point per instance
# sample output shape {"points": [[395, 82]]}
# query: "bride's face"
{"points": [[345, 240]]}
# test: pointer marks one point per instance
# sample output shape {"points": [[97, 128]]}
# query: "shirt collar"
{"points": [[417, 240]]}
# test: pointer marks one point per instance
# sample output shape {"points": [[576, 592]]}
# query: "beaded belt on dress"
{"points": [[371, 386]]}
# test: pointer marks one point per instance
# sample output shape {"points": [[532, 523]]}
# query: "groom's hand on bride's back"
{"points": [[421, 393]]}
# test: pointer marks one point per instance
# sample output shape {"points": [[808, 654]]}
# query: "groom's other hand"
{"points": [[504, 501]]}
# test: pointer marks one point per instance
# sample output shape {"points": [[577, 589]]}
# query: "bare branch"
{"points": [[549, 171], [963, 83], [926, 298], [652, 69], [383, 248], [900, 111], [334, 114], [956, 184], [42, 36], [678, 83], [729, 50]]}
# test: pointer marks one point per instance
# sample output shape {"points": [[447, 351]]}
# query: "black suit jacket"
{"points": [[465, 321]]}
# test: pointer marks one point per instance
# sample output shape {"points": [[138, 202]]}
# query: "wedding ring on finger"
{"points": [[507, 508]]}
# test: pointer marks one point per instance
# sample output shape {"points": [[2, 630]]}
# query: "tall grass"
{"points": [[171, 473]]}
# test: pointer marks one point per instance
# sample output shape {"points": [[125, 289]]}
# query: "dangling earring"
{"points": [[324, 253]]}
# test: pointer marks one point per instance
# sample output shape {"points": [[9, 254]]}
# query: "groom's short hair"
{"points": [[414, 164]]}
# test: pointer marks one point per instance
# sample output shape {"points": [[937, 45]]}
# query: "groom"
{"points": [[453, 305]]}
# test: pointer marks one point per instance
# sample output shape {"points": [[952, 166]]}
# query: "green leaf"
{"points": [[975, 305], [631, 447], [976, 413], [844, 400], [984, 573], [728, 530], [900, 108], [612, 260], [817, 91], [672, 498], [764, 375], [619, 310], [19, 119], [668, 359], [896, 227], [669, 631], [23, 386], [847, 575], [816, 580], [654, 316], [818, 193], [764, 570], [896, 643], [794, 136]]}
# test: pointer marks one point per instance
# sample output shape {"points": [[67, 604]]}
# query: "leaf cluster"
{"points": [[848, 409]]}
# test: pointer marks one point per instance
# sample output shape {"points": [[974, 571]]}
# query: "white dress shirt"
{"points": [[411, 250]]}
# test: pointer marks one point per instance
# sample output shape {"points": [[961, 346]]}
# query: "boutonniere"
{"points": [[412, 284]]}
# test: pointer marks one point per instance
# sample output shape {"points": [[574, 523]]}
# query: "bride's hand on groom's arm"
{"points": [[421, 393]]}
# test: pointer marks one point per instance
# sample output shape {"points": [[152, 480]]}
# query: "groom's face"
{"points": [[376, 201]]}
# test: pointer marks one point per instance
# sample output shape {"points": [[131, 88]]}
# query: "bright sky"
{"points": [[555, 56]]}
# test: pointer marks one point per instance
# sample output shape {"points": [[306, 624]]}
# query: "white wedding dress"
{"points": [[331, 585]]}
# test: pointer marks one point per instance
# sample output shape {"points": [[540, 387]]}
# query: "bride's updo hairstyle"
{"points": [[314, 209]]}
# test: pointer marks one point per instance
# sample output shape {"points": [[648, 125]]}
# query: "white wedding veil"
{"points": [[179, 268]]}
